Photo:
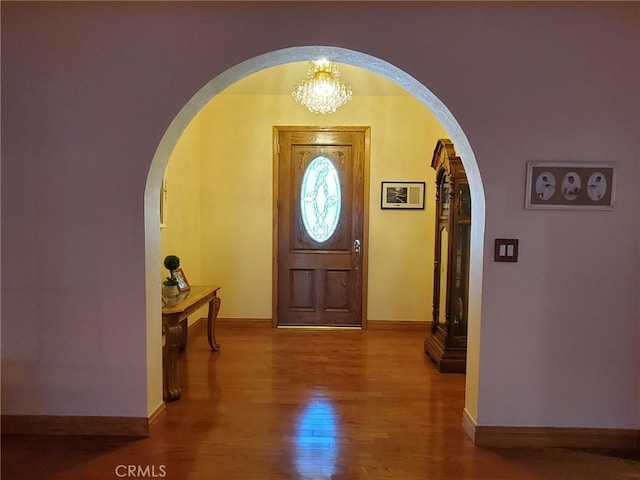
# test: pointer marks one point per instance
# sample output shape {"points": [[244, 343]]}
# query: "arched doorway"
{"points": [[271, 59]]}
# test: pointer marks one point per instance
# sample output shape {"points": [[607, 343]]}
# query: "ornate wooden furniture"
{"points": [[174, 326], [446, 341]]}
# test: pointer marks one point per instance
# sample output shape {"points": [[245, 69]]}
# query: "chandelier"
{"points": [[322, 92]]}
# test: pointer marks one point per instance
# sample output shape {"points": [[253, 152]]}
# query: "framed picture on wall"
{"points": [[565, 185], [402, 195], [179, 276]]}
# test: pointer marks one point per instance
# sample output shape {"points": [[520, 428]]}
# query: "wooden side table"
{"points": [[174, 327]]}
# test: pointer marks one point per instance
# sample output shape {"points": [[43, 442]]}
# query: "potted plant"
{"points": [[170, 285]]}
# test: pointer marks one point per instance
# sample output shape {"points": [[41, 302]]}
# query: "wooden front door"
{"points": [[320, 226]]}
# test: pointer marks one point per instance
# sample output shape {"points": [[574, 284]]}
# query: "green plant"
{"points": [[171, 263]]}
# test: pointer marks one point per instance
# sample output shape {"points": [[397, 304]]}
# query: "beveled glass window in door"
{"points": [[320, 199]]}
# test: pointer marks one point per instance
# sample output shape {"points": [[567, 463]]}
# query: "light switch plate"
{"points": [[506, 250]]}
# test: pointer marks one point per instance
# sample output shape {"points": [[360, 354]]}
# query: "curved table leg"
{"points": [[173, 340], [214, 308], [184, 325]]}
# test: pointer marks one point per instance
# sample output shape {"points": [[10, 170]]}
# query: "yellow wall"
{"points": [[234, 182], [181, 233]]}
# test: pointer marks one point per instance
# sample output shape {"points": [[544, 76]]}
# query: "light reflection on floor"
{"points": [[317, 440]]}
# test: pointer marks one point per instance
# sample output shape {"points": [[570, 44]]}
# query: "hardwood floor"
{"points": [[308, 405]]}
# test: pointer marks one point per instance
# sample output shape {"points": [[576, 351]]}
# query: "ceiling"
{"points": [[280, 80]]}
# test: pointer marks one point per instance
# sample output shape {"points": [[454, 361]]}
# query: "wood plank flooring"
{"points": [[308, 405]]}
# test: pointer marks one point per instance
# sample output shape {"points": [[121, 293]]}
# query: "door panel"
{"points": [[319, 282]]}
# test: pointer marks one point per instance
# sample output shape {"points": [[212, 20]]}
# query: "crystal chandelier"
{"points": [[321, 92]]}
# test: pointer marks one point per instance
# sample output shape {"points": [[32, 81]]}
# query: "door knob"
{"points": [[356, 246]]}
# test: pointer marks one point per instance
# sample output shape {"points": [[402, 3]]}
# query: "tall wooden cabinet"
{"points": [[446, 341]]}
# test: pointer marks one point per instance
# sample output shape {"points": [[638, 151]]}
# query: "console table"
{"points": [[174, 326]]}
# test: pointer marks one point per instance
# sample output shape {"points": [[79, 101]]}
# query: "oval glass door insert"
{"points": [[320, 199]]}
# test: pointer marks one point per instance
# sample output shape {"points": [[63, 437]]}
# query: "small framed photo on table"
{"points": [[402, 195], [179, 276]]}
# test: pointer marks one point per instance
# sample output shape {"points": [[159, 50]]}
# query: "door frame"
{"points": [[365, 226]]}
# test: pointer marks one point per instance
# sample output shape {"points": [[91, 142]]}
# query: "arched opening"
{"points": [[298, 54]]}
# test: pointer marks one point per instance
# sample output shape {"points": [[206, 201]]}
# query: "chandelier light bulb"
{"points": [[322, 92]]}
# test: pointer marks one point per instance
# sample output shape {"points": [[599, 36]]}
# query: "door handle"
{"points": [[356, 246]]}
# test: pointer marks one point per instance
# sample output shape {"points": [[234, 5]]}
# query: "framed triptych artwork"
{"points": [[564, 185]]}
